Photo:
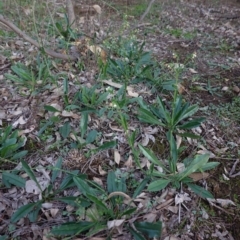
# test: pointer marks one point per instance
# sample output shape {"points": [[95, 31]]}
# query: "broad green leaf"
{"points": [[197, 163], [102, 98], [209, 166], [55, 172], [65, 86], [203, 193], [30, 173], [74, 201], [9, 142], [22, 72], [192, 123], [99, 204], [189, 111], [158, 185], [141, 186], [115, 184], [173, 152], [68, 180], [152, 230], [136, 235], [19, 155], [33, 215], [44, 127], [156, 173], [83, 123], [50, 108], [65, 130], [91, 137], [72, 228], [162, 110], [146, 116], [83, 186], [98, 227], [111, 182], [13, 179], [128, 212], [4, 237], [13, 78], [106, 145], [189, 135], [6, 133], [151, 156], [23, 211]]}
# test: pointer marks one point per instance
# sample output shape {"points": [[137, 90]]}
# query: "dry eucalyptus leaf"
{"points": [[116, 224], [117, 156]]}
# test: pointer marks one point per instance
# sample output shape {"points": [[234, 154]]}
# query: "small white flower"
{"points": [[194, 55]]}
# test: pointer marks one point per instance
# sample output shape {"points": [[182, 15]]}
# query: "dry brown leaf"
{"points": [[117, 156], [150, 217], [198, 176], [116, 224], [129, 162], [98, 181], [101, 171]]}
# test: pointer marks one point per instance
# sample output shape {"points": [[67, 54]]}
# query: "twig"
{"points": [[147, 10], [33, 42]]}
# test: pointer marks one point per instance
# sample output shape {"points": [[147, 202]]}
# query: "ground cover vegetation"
{"points": [[119, 119]]}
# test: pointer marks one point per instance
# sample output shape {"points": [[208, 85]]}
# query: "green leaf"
{"points": [[203, 193], [30, 173], [44, 127], [23, 211], [197, 163], [65, 86], [83, 186], [158, 185], [91, 137], [162, 111], [19, 155], [115, 184], [50, 108], [150, 229], [192, 123], [106, 145], [83, 123], [72, 228], [209, 166], [141, 186], [68, 180], [136, 235], [74, 201], [99, 204], [151, 156], [189, 111], [189, 135], [146, 116], [173, 152], [4, 237], [55, 172], [13, 179], [128, 212], [102, 98], [65, 130], [33, 215]]}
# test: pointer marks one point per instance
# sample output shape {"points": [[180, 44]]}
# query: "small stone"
{"points": [[225, 89]]}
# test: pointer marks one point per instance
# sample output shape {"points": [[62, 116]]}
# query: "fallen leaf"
{"points": [[117, 156]]}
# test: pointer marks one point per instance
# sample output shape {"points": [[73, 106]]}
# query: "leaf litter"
{"points": [[25, 113]]}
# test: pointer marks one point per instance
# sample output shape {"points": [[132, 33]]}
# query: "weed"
{"points": [[11, 144], [103, 209]]}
